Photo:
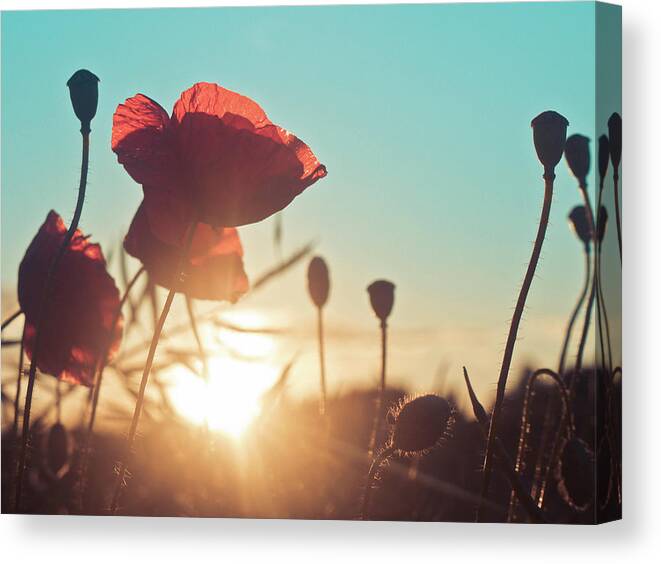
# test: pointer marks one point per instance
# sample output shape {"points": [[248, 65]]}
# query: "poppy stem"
{"points": [[198, 339], [11, 318], [616, 195], [376, 423], [96, 390], [549, 175], [322, 363], [17, 412], [374, 468], [121, 474], [43, 310], [576, 311]]}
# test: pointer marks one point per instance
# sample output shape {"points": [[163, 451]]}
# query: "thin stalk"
{"points": [[616, 194], [17, 397], [11, 318], [322, 363], [43, 310], [575, 311], [96, 388], [511, 340], [377, 421], [374, 468], [121, 474]]}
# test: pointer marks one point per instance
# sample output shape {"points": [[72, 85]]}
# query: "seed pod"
{"points": [[420, 423], [84, 92], [382, 298], [579, 223], [577, 154], [549, 135], [604, 156], [602, 220], [575, 474], [318, 281], [58, 451], [615, 139]]}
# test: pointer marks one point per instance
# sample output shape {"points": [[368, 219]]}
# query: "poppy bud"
{"points": [[579, 223], [420, 423], [549, 134], [575, 474], [602, 220], [58, 450], [615, 140], [84, 92], [577, 154], [604, 156], [318, 281], [382, 297]]}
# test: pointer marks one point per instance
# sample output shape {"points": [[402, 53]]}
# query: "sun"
{"points": [[231, 399]]}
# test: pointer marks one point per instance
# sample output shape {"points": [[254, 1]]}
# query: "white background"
{"points": [[635, 539]]}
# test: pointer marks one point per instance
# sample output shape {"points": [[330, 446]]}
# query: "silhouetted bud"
{"points": [[84, 92], [382, 297], [420, 423], [318, 281], [577, 154], [579, 223], [615, 139], [549, 134], [575, 474], [602, 220], [58, 450], [604, 156]]}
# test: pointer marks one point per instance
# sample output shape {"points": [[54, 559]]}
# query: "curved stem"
{"points": [[198, 339], [511, 340], [11, 318], [121, 474], [566, 416], [575, 312], [616, 194], [322, 363], [374, 468], [376, 423], [43, 310]]}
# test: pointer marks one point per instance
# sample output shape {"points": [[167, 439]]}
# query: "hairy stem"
{"points": [[96, 389], [322, 362], [511, 340], [374, 468], [377, 421], [42, 313], [121, 474]]}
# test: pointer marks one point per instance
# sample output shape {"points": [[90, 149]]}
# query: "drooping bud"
{"points": [[549, 135], [604, 156], [577, 154], [615, 140], [602, 220], [382, 297], [419, 424], [575, 474], [318, 281], [579, 222], [84, 92]]}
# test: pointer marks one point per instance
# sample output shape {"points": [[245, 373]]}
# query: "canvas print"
{"points": [[326, 262]]}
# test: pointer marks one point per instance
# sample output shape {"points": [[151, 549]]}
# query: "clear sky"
{"points": [[422, 116]]}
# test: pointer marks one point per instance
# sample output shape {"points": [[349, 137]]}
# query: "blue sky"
{"points": [[421, 114]]}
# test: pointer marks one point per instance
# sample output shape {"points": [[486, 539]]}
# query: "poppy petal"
{"points": [[141, 140], [77, 326], [240, 167], [215, 270]]}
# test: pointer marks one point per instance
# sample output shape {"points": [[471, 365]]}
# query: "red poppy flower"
{"points": [[215, 269], [78, 319], [218, 158]]}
